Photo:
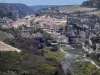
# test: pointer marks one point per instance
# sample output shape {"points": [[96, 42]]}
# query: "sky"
{"points": [[44, 2]]}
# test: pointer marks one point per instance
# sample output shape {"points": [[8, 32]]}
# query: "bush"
{"points": [[48, 68]]}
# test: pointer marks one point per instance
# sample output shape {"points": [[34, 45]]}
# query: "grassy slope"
{"points": [[4, 35]]}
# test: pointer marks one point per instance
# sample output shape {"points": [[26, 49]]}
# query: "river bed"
{"points": [[73, 55]]}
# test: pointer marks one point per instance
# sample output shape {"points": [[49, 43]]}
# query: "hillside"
{"points": [[12, 9], [31, 60], [92, 3], [4, 35], [74, 8], [37, 7]]}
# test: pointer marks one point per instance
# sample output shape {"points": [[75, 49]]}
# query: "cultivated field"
{"points": [[74, 8], [96, 12]]}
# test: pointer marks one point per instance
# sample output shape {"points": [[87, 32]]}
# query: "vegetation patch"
{"points": [[13, 63], [58, 55], [85, 68], [48, 68]]}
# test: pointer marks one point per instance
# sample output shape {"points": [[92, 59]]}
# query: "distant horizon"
{"points": [[43, 5], [45, 2]]}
